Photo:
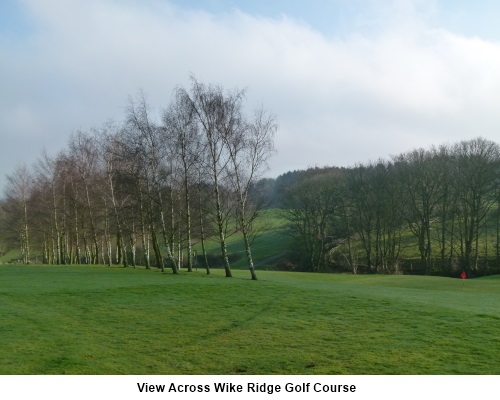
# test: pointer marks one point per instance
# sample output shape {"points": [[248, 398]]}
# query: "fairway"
{"points": [[100, 320]]}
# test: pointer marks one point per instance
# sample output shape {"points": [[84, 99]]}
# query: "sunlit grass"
{"points": [[98, 320]]}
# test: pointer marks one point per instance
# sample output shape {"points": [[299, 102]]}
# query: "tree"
{"points": [[112, 156], [4, 240], [235, 152], [371, 204], [477, 162], [389, 221], [182, 132], [19, 188], [217, 114], [151, 147], [362, 199], [313, 204], [84, 153], [419, 174], [249, 146]]}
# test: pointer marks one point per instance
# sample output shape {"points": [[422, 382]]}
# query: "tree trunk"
{"points": [[202, 236], [220, 227]]}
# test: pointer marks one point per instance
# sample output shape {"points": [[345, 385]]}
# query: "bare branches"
{"points": [[136, 179]]}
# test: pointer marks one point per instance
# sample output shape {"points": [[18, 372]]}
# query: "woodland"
{"points": [[142, 192], [427, 211]]}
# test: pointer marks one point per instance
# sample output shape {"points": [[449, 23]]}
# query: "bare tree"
{"points": [[202, 191], [150, 144], [422, 194], [4, 240], [216, 113], [477, 162], [362, 200], [249, 145], [50, 182], [112, 156], [19, 188], [182, 132], [84, 153], [313, 204]]}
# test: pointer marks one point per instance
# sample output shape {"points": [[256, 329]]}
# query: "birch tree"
{"points": [[152, 147], [249, 145], [19, 188], [112, 156], [84, 152], [182, 132], [215, 112]]}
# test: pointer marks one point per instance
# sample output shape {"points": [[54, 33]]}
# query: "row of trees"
{"points": [[441, 204], [141, 192]]}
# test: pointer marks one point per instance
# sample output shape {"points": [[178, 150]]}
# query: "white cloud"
{"points": [[339, 100]]}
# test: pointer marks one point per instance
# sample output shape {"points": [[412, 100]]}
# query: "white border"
{"points": [[367, 387]]}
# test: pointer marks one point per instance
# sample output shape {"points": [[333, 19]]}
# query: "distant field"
{"points": [[98, 320], [268, 249]]}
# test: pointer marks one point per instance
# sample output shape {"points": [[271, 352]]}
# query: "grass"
{"points": [[9, 255], [98, 320], [268, 248]]}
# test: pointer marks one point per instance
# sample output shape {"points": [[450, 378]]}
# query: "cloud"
{"points": [[401, 84]]}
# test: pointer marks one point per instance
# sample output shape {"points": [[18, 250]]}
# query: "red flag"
{"points": [[463, 275]]}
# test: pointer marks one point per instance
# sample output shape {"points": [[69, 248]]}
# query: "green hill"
{"points": [[269, 247]]}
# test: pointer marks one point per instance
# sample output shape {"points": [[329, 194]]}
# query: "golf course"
{"points": [[112, 320]]}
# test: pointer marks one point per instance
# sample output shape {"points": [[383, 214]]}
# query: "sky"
{"points": [[350, 81]]}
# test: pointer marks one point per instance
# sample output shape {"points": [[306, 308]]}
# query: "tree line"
{"points": [[143, 191], [435, 210]]}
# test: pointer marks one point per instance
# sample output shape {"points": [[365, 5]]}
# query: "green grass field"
{"points": [[99, 320]]}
